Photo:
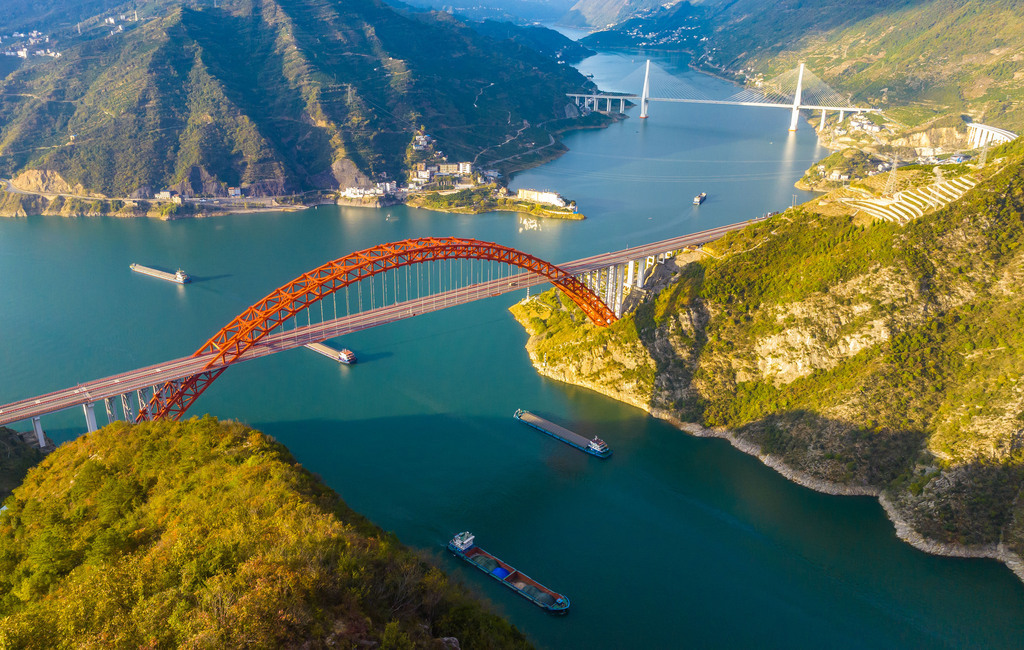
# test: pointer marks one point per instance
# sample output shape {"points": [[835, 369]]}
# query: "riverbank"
{"points": [[853, 380], [74, 202], [488, 198], [902, 527]]}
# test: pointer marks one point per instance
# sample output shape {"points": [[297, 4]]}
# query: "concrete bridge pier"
{"points": [[794, 120], [111, 407], [126, 407], [609, 286], [842, 114], [37, 428], [143, 398], [90, 416], [646, 91], [619, 286]]}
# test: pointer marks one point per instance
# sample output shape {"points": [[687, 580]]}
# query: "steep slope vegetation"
{"points": [[600, 14], [280, 96], [873, 359], [207, 534], [929, 57], [16, 458], [923, 58]]}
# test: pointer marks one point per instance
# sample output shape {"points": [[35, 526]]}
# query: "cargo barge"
{"points": [[178, 276], [463, 546], [343, 355], [594, 446]]}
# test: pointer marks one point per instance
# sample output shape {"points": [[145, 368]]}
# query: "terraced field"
{"points": [[911, 204]]}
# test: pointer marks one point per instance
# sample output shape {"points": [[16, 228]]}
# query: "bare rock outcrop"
{"points": [[47, 181]]}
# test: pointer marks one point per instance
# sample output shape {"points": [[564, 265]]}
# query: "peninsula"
{"points": [[853, 354], [169, 534]]}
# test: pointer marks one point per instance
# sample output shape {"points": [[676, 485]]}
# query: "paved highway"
{"points": [[158, 374]]}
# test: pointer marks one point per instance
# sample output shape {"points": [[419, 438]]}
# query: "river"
{"points": [[672, 542]]}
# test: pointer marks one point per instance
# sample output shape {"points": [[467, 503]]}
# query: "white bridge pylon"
{"points": [[796, 90]]}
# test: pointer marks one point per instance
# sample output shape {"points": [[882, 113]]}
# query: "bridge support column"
{"points": [[842, 115], [609, 288], [641, 268], [622, 104], [90, 416], [824, 114], [143, 399], [646, 92], [37, 428], [794, 120], [111, 407], [126, 406], [629, 274], [619, 285]]}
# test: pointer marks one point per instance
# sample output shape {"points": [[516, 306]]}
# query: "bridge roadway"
{"points": [[157, 374]]}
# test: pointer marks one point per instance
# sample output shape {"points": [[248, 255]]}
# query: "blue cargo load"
{"points": [[501, 572]]}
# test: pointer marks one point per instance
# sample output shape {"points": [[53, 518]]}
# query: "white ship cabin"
{"points": [[598, 445], [463, 541]]}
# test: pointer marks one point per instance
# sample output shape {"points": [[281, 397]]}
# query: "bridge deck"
{"points": [[158, 374]]}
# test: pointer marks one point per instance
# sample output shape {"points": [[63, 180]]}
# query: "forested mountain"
{"points": [[601, 14], [922, 57], [16, 457], [856, 356], [544, 40], [206, 534], [278, 95]]}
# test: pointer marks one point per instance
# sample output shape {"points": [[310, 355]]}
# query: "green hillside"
{"points": [[599, 14], [279, 96], [207, 534], [16, 458], [871, 356], [917, 58]]}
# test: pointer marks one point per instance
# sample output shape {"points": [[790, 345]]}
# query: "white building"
{"points": [[550, 198]]}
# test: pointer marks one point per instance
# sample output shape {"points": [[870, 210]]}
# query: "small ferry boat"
{"points": [[463, 546], [594, 446], [178, 276], [347, 356], [697, 200]]}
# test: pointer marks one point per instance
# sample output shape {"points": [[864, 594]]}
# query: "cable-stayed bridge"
{"points": [[796, 90]]}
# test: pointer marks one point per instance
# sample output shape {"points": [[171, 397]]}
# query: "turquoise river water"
{"points": [[672, 542]]}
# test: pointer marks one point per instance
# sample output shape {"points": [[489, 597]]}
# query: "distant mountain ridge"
{"points": [[279, 96], [601, 14], [928, 58]]}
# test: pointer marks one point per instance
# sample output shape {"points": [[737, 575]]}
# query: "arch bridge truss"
{"points": [[286, 304], [354, 293]]}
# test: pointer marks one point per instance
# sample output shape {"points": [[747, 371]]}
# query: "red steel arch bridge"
{"points": [[372, 287]]}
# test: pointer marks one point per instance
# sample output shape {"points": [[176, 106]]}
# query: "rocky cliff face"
{"points": [[931, 141], [47, 182], [868, 360]]}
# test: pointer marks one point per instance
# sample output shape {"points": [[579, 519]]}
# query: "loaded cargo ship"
{"points": [[178, 276], [344, 355], [593, 446], [463, 546]]}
